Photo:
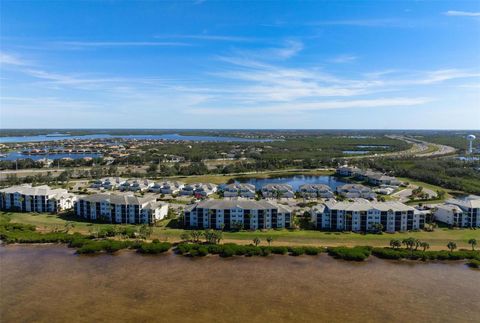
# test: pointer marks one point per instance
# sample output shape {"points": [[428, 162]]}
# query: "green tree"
{"points": [[269, 240], [195, 235], [452, 246], [256, 241], [425, 245], [395, 243], [473, 243], [185, 236]]}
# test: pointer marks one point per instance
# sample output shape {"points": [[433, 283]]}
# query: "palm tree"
{"points": [[473, 243], [425, 245], [409, 243], [452, 246], [269, 240], [256, 241], [417, 244], [395, 243]]}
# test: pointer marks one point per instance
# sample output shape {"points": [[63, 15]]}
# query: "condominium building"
{"points": [[120, 208], [167, 187], [26, 198], [460, 212], [363, 216], [236, 214], [277, 191], [315, 190], [239, 190], [356, 191], [198, 189]]}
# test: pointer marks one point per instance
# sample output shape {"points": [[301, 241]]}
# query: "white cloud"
{"points": [[462, 13], [384, 22], [345, 58], [209, 37], [9, 59], [106, 44], [292, 108]]}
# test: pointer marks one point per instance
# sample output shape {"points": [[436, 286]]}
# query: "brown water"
{"points": [[51, 284]]}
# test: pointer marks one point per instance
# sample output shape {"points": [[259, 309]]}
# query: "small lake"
{"points": [[52, 284], [14, 155], [296, 181], [58, 137], [356, 152]]}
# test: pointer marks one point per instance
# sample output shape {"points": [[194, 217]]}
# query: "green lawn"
{"points": [[437, 239]]}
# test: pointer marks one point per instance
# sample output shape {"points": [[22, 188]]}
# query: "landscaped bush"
{"points": [[389, 253], [154, 248], [297, 251], [313, 251], [227, 252], [355, 253], [279, 250], [473, 263]]}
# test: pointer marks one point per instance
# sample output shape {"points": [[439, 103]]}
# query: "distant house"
{"points": [[26, 198], [136, 185], [347, 171], [356, 191], [363, 216], [229, 214], [108, 183], [166, 187], [120, 208], [198, 189], [277, 191], [239, 190], [315, 190], [460, 212]]}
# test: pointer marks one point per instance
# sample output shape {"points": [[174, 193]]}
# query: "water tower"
{"points": [[470, 139]]}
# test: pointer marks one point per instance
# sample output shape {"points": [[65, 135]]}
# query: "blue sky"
{"points": [[253, 64]]}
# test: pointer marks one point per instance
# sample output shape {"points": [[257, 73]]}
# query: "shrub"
{"points": [[355, 253], [473, 263], [202, 251], [297, 251], [312, 251], [227, 252], [279, 250], [154, 248]]}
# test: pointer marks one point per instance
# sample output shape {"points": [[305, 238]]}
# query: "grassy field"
{"points": [[437, 240]]}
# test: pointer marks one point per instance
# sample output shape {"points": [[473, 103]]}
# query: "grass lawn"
{"points": [[437, 239]]}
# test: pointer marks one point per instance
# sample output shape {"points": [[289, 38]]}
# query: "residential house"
{"points": [[26, 198], [198, 189], [356, 191], [236, 214], [460, 212], [364, 216], [239, 190], [167, 187], [315, 190], [277, 191], [120, 208]]}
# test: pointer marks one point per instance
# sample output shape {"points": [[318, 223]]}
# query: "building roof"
{"points": [[239, 204], [471, 202], [354, 187], [45, 190], [318, 187], [450, 207], [364, 205], [129, 199], [240, 186], [277, 187]]}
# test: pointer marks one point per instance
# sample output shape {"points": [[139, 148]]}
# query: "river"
{"points": [[52, 284]]}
